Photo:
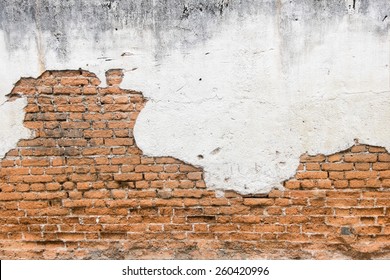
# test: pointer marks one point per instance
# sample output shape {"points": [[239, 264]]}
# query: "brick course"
{"points": [[81, 189]]}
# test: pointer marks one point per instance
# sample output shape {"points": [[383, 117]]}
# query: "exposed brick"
{"points": [[310, 158], [360, 157], [384, 157], [258, 201], [128, 177], [360, 174], [337, 166], [81, 189], [381, 166], [312, 175]]}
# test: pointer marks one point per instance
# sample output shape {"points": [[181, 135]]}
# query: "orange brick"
{"points": [[149, 168], [258, 201], [89, 90], [359, 149], [360, 157], [372, 149], [313, 166], [292, 184], [381, 166], [194, 175], [334, 158], [128, 177], [188, 193], [324, 184], [368, 211], [68, 90], [312, 175], [185, 168], [316, 158], [10, 196], [357, 183], [67, 81], [35, 162], [341, 202], [340, 184], [362, 166], [119, 142], [367, 229], [337, 166], [360, 174], [384, 157]]}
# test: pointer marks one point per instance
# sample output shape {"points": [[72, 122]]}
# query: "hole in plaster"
{"points": [[185, 13], [127, 54], [200, 157], [215, 151], [200, 79]]}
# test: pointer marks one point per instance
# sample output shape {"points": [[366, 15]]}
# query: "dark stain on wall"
{"points": [[185, 21]]}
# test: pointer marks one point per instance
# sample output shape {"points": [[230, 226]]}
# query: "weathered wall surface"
{"points": [[237, 91], [82, 189], [240, 88]]}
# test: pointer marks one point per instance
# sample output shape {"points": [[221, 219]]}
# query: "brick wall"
{"points": [[81, 189]]}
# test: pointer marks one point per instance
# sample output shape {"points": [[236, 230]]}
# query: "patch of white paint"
{"points": [[12, 129], [244, 104], [12, 113], [262, 112]]}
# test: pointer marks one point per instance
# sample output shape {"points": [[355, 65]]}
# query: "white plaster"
{"points": [[12, 129], [261, 101], [12, 113]]}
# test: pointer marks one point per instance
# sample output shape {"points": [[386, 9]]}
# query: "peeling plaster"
{"points": [[12, 129], [241, 88]]}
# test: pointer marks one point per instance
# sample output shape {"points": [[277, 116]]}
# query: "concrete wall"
{"points": [[240, 88]]}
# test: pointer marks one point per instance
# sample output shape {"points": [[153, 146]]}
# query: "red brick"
{"points": [[316, 158], [128, 177], [360, 174], [312, 175], [359, 149], [67, 81], [313, 166], [35, 162], [381, 166], [341, 202], [384, 157], [360, 157], [368, 212], [337, 166], [258, 201], [119, 142]]}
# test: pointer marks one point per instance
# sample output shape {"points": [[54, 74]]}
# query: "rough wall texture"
{"points": [[81, 188], [267, 79]]}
